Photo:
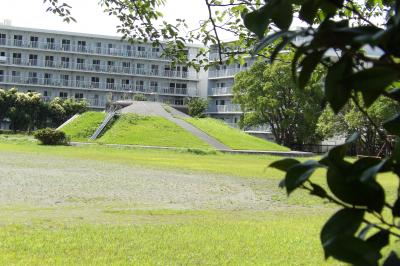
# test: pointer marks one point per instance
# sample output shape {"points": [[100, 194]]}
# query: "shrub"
{"points": [[139, 97], [197, 107], [49, 136]]}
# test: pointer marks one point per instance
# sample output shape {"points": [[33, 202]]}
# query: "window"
{"points": [[32, 78], [126, 67], [1, 75], [140, 69], [80, 63], [141, 49], [78, 96], [110, 83], [63, 94], [33, 60], [16, 58], [139, 85], [155, 49], [96, 64], [129, 50], [2, 53], [125, 84], [80, 81], [47, 78], [154, 86], [110, 65], [16, 76], [178, 101], [64, 80], [154, 69], [49, 61], [98, 47], [95, 82], [34, 41], [18, 40], [3, 39], [65, 62], [66, 45], [221, 85], [81, 46], [45, 94], [50, 43]]}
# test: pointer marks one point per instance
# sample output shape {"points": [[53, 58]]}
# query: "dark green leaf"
{"points": [[318, 191], [298, 174], [282, 14], [393, 125], [269, 39], [309, 10], [336, 92], [353, 250], [396, 208], [308, 65], [345, 222], [371, 82], [284, 164], [379, 240], [257, 21]]}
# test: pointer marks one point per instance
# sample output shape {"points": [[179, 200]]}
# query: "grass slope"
{"points": [[150, 131], [233, 138], [83, 127]]}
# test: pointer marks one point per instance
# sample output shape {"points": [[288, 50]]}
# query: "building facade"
{"points": [[90, 67]]}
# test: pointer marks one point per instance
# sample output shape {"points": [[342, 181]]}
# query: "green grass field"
{"points": [[233, 138], [83, 127], [109, 229], [150, 131]]}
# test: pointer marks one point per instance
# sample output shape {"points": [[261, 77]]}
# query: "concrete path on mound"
{"points": [[152, 108]]}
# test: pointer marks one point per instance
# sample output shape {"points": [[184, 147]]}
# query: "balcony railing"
{"points": [[23, 80], [101, 68], [87, 49], [229, 108], [230, 72], [221, 91]]}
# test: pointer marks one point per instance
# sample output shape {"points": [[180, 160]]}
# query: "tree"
{"points": [[268, 95], [197, 107], [350, 119]]}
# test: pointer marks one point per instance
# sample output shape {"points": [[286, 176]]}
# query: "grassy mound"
{"points": [[231, 137], [83, 127], [150, 131]]}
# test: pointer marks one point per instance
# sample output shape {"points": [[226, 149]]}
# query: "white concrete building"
{"points": [[92, 67]]}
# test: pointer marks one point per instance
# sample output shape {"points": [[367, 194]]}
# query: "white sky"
{"points": [[89, 15]]}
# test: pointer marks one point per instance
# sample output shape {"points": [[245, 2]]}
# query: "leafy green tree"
{"points": [[351, 119], [268, 95], [197, 107]]}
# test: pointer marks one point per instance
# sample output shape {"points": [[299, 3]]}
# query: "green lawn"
{"points": [[150, 131], [121, 232], [83, 127], [201, 239], [233, 138]]}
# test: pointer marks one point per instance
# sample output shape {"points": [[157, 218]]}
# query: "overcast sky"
{"points": [[90, 17]]}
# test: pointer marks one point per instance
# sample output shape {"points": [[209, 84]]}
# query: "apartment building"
{"points": [[92, 67]]}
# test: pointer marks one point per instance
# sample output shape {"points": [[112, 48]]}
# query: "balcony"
{"points": [[101, 68], [86, 49], [225, 73], [229, 108], [103, 86], [221, 91]]}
